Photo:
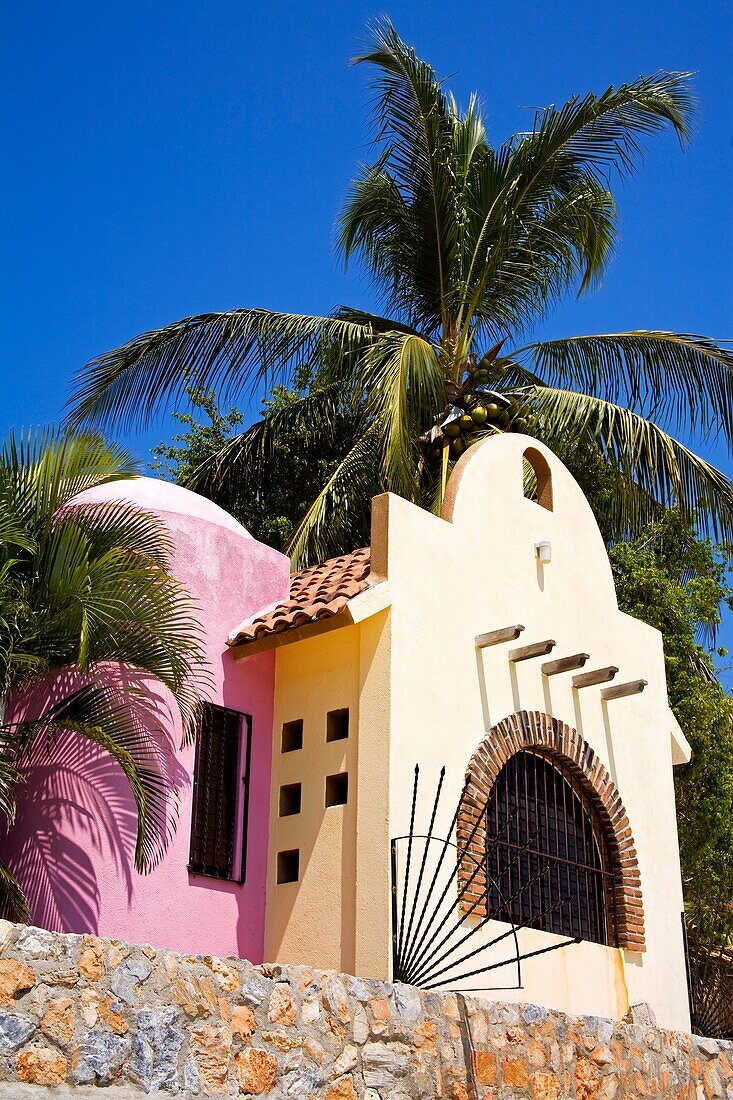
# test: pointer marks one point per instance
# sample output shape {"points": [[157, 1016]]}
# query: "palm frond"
{"points": [[377, 223], [114, 523], [682, 379], [523, 261], [411, 111], [413, 127], [87, 587], [605, 131], [339, 517], [13, 905], [42, 471], [104, 715], [372, 322], [404, 386], [231, 352], [9, 774], [100, 586], [664, 468], [248, 461]]}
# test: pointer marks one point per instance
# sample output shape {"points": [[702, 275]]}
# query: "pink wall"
{"points": [[73, 838]]}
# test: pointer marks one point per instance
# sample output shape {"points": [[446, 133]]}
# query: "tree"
{"points": [[677, 583], [294, 467], [178, 460], [85, 589], [470, 247]]}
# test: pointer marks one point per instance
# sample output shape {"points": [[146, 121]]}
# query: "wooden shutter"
{"points": [[216, 790]]}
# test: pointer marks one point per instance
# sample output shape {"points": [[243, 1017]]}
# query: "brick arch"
{"points": [[535, 730]]}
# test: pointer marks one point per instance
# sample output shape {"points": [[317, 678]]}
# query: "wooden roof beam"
{"points": [[527, 652], [505, 634], [564, 664], [597, 676], [620, 691]]}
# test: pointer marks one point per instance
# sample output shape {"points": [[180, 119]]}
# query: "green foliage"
{"points": [[83, 588], [178, 459], [289, 467], [677, 583]]}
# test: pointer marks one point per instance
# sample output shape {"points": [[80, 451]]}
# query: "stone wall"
{"points": [[78, 1012]]}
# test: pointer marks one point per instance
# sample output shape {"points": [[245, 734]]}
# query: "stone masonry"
{"points": [[78, 1012]]}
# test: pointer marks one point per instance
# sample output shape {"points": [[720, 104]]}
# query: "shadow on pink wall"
{"points": [[75, 804], [72, 806], [72, 842]]}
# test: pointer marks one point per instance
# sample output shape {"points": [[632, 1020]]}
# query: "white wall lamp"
{"points": [[543, 552]]}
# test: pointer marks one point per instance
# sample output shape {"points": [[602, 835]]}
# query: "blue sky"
{"points": [[169, 158], [163, 159]]}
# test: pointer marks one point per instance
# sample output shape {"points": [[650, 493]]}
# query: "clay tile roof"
{"points": [[316, 593]]}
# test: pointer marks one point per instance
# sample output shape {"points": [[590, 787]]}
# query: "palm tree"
{"points": [[469, 246], [84, 589]]}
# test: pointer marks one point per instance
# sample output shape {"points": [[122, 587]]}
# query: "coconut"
{"points": [[466, 422], [452, 429], [479, 414]]}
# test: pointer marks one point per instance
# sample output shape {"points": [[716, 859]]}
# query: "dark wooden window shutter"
{"points": [[216, 793]]}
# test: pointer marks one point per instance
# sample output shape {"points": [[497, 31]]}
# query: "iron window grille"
{"points": [[218, 786], [547, 856]]}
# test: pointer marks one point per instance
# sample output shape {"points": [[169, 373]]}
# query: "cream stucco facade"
{"points": [[419, 691]]}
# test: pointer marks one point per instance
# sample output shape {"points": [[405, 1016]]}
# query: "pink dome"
{"points": [[163, 498]]}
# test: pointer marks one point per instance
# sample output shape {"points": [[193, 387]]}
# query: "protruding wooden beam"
{"points": [[506, 634], [564, 664], [597, 676], [537, 649], [619, 691]]}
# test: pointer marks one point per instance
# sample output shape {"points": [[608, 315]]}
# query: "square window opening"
{"points": [[292, 735], [337, 724], [288, 866], [337, 789], [290, 797]]}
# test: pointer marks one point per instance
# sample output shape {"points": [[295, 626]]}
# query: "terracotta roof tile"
{"points": [[316, 593]]}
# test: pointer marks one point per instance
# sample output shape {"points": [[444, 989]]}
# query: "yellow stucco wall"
{"points": [[420, 693], [321, 918]]}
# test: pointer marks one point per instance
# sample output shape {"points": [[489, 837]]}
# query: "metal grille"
{"points": [[710, 986], [547, 860], [215, 792], [434, 943]]}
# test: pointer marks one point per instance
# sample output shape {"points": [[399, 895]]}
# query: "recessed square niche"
{"points": [[337, 724], [337, 789], [292, 736], [288, 866], [290, 795]]}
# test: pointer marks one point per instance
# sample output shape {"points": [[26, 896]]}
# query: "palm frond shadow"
{"points": [[76, 819]]}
